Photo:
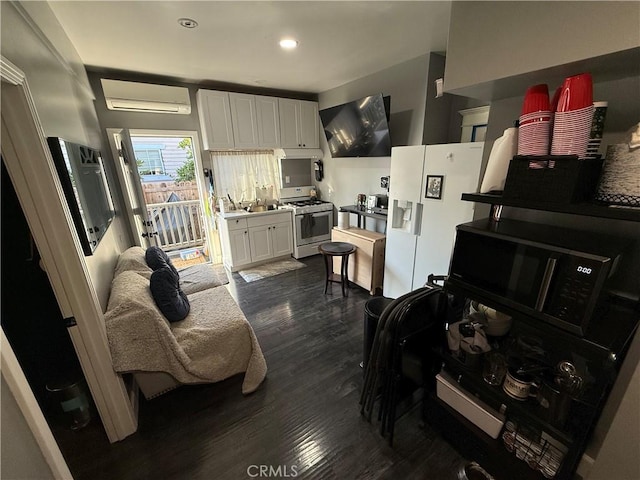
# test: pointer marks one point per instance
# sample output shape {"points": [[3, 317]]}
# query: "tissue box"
{"points": [[620, 180]]}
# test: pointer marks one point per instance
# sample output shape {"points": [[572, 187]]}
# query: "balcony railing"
{"points": [[178, 224]]}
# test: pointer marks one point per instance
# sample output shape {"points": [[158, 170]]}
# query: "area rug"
{"points": [[270, 269]]}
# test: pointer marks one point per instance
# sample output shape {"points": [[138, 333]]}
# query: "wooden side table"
{"points": [[330, 250], [366, 267]]}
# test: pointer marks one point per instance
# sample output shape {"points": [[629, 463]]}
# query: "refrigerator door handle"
{"points": [[417, 220]]}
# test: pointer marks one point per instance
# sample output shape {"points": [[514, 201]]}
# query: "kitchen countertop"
{"points": [[244, 214]]}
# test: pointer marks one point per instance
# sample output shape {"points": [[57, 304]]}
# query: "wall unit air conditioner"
{"points": [[145, 97]]}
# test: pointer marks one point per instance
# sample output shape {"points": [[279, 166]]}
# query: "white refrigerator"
{"points": [[425, 186]]}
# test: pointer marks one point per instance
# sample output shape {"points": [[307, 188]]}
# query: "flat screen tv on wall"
{"points": [[359, 128], [85, 187]]}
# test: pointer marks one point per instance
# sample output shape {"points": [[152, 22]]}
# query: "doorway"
{"points": [[36, 330], [175, 195]]}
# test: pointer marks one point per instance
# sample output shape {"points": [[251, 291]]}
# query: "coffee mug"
{"points": [[518, 386]]}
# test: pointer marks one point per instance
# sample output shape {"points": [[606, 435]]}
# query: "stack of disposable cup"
{"points": [[573, 117], [535, 122]]}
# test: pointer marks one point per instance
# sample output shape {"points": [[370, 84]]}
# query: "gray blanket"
{"points": [[214, 342]]}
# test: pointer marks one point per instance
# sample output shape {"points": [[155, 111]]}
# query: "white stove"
{"points": [[308, 205], [312, 219]]}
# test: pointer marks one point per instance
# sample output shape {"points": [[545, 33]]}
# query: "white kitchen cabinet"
{"points": [[270, 236], [234, 235], [268, 122], [244, 119], [260, 243], [214, 111], [299, 123], [256, 238], [240, 247], [282, 236]]}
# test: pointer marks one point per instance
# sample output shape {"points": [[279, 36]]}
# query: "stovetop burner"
{"points": [[305, 203]]}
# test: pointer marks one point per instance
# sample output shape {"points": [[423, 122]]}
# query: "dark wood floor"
{"points": [[304, 420]]}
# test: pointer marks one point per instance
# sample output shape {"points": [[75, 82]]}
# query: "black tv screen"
{"points": [[359, 128], [83, 179]]}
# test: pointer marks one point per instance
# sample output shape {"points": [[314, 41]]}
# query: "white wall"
{"points": [[64, 103], [21, 456], [345, 178], [494, 40]]}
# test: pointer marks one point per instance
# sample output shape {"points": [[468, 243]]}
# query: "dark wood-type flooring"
{"points": [[304, 420]]}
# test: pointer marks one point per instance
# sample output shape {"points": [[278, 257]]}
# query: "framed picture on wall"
{"points": [[434, 186]]}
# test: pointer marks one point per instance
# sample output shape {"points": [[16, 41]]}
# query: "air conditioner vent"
{"points": [[145, 97]]}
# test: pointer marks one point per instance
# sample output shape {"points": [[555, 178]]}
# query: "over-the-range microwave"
{"points": [[549, 273]]}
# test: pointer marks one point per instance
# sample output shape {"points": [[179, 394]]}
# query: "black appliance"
{"points": [[359, 128], [550, 273]]}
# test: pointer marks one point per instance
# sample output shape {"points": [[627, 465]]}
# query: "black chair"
{"points": [[401, 360]]}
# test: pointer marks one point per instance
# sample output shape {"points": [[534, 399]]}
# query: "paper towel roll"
{"points": [[504, 148], [343, 220]]}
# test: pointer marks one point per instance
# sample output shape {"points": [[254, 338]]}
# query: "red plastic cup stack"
{"points": [[535, 122], [573, 116]]}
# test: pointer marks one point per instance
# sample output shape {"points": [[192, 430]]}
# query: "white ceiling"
{"points": [[237, 41]]}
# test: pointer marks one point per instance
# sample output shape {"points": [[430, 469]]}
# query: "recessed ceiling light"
{"points": [[288, 43], [187, 22]]}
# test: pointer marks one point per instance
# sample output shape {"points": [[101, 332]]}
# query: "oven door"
{"points": [[313, 227]]}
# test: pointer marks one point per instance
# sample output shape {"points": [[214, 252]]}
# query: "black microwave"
{"points": [[550, 273]]}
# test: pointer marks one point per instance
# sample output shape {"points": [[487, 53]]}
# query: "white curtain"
{"points": [[240, 173]]}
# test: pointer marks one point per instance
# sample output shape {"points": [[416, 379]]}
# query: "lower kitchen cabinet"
{"points": [[366, 266], [256, 239]]}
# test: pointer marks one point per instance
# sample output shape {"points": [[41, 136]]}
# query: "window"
{"points": [[239, 174], [149, 161]]}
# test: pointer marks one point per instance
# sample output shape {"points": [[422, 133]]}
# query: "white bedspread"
{"points": [[214, 342]]}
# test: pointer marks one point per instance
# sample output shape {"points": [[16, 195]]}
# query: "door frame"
{"points": [[21, 391], [47, 213], [201, 183]]}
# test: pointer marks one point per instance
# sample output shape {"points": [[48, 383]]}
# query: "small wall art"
{"points": [[434, 186]]}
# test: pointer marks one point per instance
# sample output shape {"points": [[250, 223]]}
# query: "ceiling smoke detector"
{"points": [[187, 22]]}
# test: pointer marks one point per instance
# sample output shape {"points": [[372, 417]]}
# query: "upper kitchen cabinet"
{"points": [[214, 111], [245, 120], [255, 121], [299, 123], [268, 122], [498, 49]]}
